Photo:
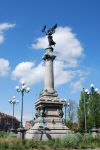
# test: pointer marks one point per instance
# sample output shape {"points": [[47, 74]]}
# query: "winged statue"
{"points": [[49, 33]]}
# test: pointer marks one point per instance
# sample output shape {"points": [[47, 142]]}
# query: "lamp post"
{"points": [[22, 88], [13, 101], [66, 105], [85, 92], [92, 91], [69, 108]]}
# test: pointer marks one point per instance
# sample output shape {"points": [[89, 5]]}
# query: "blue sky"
{"points": [[22, 46]]}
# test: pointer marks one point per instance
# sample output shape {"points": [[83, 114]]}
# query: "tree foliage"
{"points": [[71, 115], [89, 104]]}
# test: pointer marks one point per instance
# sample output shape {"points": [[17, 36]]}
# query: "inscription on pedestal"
{"points": [[52, 112]]}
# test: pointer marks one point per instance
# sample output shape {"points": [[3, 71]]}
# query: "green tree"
{"points": [[71, 115], [94, 110], [89, 105], [80, 112]]}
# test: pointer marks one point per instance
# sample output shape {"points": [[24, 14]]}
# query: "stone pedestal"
{"points": [[94, 132], [21, 133], [49, 122]]}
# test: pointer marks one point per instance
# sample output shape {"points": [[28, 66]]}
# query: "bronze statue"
{"points": [[49, 33], [61, 112]]}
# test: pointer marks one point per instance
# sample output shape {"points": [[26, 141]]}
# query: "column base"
{"points": [[48, 93], [47, 129]]}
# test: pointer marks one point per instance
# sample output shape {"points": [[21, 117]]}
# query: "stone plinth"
{"points": [[49, 122]]}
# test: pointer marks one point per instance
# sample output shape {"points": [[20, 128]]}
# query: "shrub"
{"points": [[71, 140], [57, 143], [51, 143], [3, 134], [82, 146], [87, 139], [33, 144], [16, 147], [4, 146]]}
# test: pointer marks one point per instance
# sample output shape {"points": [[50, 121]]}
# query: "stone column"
{"points": [[49, 74]]}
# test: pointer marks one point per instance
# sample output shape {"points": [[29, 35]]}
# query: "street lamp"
{"points": [[13, 101], [85, 92], [92, 91], [66, 105], [69, 108], [23, 89]]}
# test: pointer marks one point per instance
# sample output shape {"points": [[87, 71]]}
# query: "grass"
{"points": [[74, 141]]}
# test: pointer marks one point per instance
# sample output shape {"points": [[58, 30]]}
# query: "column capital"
{"points": [[49, 54], [49, 57]]}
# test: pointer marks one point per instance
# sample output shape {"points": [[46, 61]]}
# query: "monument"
{"points": [[49, 122]]}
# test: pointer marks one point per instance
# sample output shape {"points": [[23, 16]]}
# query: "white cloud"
{"points": [[3, 28], [28, 72], [6, 26], [40, 43], [61, 74], [4, 67], [33, 74], [1, 38], [77, 86]]}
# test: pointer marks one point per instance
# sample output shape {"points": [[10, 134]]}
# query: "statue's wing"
{"points": [[43, 30], [44, 27], [54, 27]]}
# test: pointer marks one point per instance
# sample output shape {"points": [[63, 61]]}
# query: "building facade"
{"points": [[6, 122]]}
